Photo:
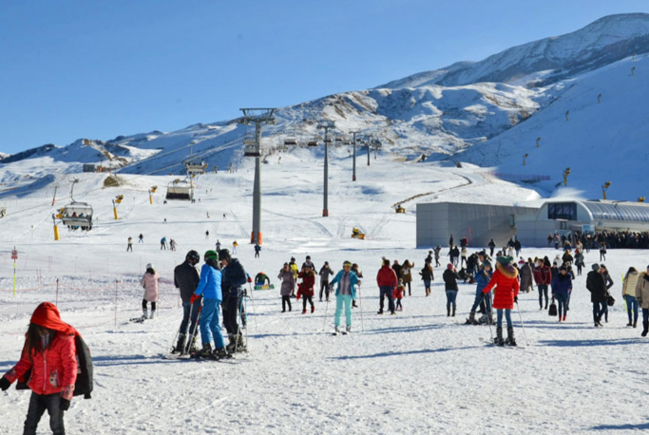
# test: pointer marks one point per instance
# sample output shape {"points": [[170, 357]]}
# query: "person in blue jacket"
{"points": [[209, 287], [482, 278], [345, 294], [233, 281], [561, 288]]}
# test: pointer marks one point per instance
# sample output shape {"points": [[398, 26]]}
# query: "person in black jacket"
{"points": [[597, 287], [609, 283], [492, 246], [233, 280], [428, 276], [450, 277], [397, 270], [186, 279]]}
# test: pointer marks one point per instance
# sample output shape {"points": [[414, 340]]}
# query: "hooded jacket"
{"points": [[505, 280], [150, 283], [450, 279], [186, 279], [288, 282], [642, 290], [210, 283], [596, 286], [233, 278], [562, 284]]}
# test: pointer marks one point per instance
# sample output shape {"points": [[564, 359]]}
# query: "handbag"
{"points": [[552, 311], [610, 301]]}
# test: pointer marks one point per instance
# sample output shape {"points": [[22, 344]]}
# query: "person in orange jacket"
{"points": [[505, 282], [50, 353]]}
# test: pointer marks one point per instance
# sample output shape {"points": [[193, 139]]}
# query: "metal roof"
{"points": [[610, 211]]}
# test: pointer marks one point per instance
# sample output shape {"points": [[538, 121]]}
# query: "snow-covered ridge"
{"points": [[602, 42]]}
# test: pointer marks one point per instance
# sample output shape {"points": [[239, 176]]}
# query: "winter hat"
{"points": [[47, 316], [504, 260], [449, 266], [595, 267], [150, 266], [563, 268], [224, 254], [486, 263], [209, 254]]}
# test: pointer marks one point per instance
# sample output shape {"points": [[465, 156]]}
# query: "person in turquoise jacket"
{"points": [[209, 287], [345, 294], [482, 278]]}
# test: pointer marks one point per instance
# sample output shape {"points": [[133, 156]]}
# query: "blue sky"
{"points": [[97, 69]]}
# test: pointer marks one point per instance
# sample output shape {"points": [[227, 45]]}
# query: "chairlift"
{"points": [[290, 141], [76, 214], [250, 148], [313, 142], [180, 189], [195, 167]]}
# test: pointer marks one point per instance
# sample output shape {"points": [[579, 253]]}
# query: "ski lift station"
{"points": [[531, 225]]}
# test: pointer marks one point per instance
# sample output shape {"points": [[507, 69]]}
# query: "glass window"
{"points": [[562, 210]]}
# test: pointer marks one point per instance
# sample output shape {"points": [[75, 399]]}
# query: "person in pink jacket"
{"points": [[50, 353], [150, 284]]}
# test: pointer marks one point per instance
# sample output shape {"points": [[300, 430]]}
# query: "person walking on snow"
{"points": [[427, 276], [398, 295], [207, 234], [482, 278], [406, 275], [163, 243], [387, 281], [629, 295], [609, 283], [561, 288], [288, 286], [438, 250], [597, 287], [234, 247], [324, 273], [129, 247], [150, 284], [257, 250], [305, 288], [450, 278], [543, 278], [642, 296], [140, 239], [209, 287], [186, 279], [345, 293], [49, 352], [505, 282], [492, 246], [218, 245]]}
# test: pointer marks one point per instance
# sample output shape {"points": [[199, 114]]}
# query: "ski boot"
{"points": [[232, 342], [241, 346], [645, 328], [145, 314], [510, 337], [152, 314], [180, 345], [348, 329], [471, 320], [205, 352], [498, 341], [337, 330], [221, 354]]}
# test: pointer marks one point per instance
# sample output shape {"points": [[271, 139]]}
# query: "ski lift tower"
{"points": [[258, 117], [354, 133], [326, 126]]}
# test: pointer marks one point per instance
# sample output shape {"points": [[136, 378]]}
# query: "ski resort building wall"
{"points": [[562, 217], [479, 223]]}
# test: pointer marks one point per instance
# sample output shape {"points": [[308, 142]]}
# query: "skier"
{"points": [[49, 352], [505, 282], [218, 245], [359, 274], [597, 287], [207, 234], [543, 278], [234, 247], [163, 243], [482, 278], [324, 273], [345, 293], [609, 283], [642, 296], [561, 288], [406, 275], [140, 239], [149, 283], [305, 288], [492, 246], [450, 277], [186, 279], [172, 245], [427, 276], [398, 295], [257, 250], [129, 247], [209, 287], [387, 281], [233, 279], [288, 286], [628, 293]]}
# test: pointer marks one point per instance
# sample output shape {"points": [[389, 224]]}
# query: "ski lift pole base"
{"points": [[325, 213]]}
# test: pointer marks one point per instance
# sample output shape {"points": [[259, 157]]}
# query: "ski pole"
{"points": [[195, 332], [522, 324], [236, 343], [175, 339]]}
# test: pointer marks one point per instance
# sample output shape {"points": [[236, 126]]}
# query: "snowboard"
{"points": [[265, 287]]}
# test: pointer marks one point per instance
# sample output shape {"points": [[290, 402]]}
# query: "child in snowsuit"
{"points": [[305, 288], [150, 284], [398, 295], [50, 353]]}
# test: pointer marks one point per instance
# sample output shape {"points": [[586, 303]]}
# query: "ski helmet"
{"points": [[209, 254], [193, 256]]}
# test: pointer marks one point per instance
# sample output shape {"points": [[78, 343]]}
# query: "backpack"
{"points": [[84, 383]]}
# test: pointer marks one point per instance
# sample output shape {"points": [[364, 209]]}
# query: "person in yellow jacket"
{"points": [[628, 293], [293, 266]]}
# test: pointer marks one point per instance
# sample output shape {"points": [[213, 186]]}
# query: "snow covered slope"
{"points": [[600, 142], [602, 42]]}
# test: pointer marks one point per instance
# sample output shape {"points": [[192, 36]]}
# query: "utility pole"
{"points": [[368, 141], [258, 117], [354, 133], [326, 126]]}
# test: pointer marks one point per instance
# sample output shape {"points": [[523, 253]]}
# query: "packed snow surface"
{"points": [[416, 372]]}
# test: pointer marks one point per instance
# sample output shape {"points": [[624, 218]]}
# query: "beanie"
{"points": [[595, 267]]}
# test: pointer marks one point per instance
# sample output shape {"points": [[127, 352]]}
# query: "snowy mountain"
{"points": [[602, 42], [4, 156]]}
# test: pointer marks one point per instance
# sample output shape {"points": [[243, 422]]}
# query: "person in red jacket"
{"points": [[387, 281], [543, 278], [398, 295], [505, 281], [305, 288], [50, 353]]}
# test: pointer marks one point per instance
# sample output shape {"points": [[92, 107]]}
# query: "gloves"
{"points": [[4, 384], [516, 299], [249, 279], [64, 404], [194, 298]]}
